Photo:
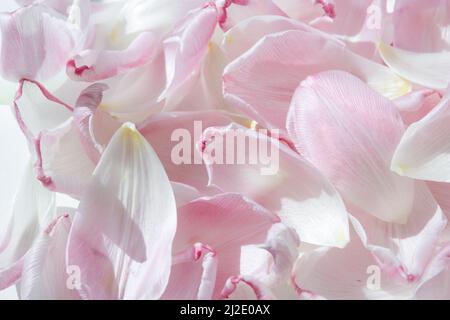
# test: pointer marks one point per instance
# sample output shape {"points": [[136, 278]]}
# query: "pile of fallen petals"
{"points": [[117, 180]]}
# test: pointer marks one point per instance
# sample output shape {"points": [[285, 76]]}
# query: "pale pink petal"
{"points": [[132, 252], [11, 275], [289, 57], [281, 181], [33, 206], [248, 32], [184, 193], [431, 70], [346, 18], [62, 163], [303, 10], [282, 243], [203, 90], [95, 66], [36, 42], [133, 95], [174, 136], [425, 22], [14, 160], [92, 96], [416, 105], [246, 288], [441, 192], [37, 109], [350, 133], [95, 127], [187, 46], [237, 11], [157, 16], [44, 268], [404, 249], [225, 222], [437, 278], [349, 273], [273, 262], [193, 274], [423, 152]]}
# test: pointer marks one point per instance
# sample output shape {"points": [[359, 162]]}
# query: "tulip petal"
{"points": [[14, 160], [431, 70], [33, 207], [416, 105], [44, 269], [404, 249], [273, 262], [246, 33], [289, 57], [132, 252], [159, 17], [226, 222], [337, 109], [37, 109], [246, 288], [426, 23], [186, 48], [62, 163], [168, 131], [423, 152], [237, 12], [196, 270], [349, 273], [36, 43], [287, 184], [436, 279], [94, 66]]}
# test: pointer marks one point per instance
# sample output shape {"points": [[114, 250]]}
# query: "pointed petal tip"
{"points": [[129, 132]]}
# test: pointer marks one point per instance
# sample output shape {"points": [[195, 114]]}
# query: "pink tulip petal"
{"points": [[156, 16], [423, 152], [247, 9], [332, 273], [196, 270], [132, 252], [186, 48], [405, 249], [226, 222], [133, 95], [289, 57], [94, 66], [11, 275], [441, 192], [62, 163], [350, 133], [44, 269], [37, 109], [33, 206], [36, 43], [436, 279], [248, 32], [166, 131], [273, 272], [423, 22], [184, 193], [92, 123], [417, 104], [293, 188], [235, 286], [430, 70]]}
